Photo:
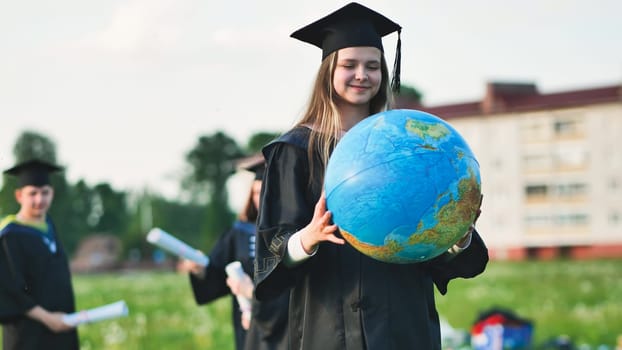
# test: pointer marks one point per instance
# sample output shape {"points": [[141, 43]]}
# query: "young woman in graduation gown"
{"points": [[340, 298], [35, 280], [266, 330]]}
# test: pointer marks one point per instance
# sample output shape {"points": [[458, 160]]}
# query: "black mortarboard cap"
{"points": [[33, 172], [350, 26], [255, 164]]}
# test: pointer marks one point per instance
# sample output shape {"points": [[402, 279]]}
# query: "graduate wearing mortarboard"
{"points": [[266, 328], [340, 298], [35, 281]]}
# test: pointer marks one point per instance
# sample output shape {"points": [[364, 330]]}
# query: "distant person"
{"points": [[340, 298], [35, 281], [266, 330]]}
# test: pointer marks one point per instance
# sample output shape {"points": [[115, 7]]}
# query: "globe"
{"points": [[403, 186]]}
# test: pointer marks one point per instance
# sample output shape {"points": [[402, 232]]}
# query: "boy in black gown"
{"points": [[35, 281]]}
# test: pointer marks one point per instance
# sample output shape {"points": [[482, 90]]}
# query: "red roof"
{"points": [[510, 97]]}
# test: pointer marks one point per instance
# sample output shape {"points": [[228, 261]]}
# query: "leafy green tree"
{"points": [[71, 226], [110, 208], [408, 97], [82, 213], [8, 205], [212, 162], [260, 139], [33, 145], [183, 220]]}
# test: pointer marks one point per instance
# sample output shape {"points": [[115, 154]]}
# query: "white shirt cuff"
{"points": [[457, 249], [295, 253]]}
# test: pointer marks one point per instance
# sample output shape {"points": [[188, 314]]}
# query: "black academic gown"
{"points": [[35, 273], [268, 330], [342, 299], [238, 244]]}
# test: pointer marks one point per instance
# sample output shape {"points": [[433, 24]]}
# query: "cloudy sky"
{"points": [[125, 87]]}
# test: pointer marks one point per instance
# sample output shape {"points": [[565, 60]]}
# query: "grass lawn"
{"points": [[163, 313], [581, 299]]}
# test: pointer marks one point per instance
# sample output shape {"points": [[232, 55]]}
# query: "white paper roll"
{"points": [[113, 310], [173, 245], [234, 270]]}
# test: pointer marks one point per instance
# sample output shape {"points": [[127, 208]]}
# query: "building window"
{"points": [[571, 190], [562, 191], [564, 127], [540, 221], [536, 221], [567, 127], [538, 190], [572, 219]]}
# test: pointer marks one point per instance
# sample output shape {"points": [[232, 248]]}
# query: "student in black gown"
{"points": [[340, 298], [35, 281], [266, 330]]}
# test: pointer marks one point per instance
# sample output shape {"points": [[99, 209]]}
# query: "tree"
{"points": [[212, 162], [408, 97], [109, 210], [8, 205], [183, 220], [260, 139], [32, 145], [71, 210]]}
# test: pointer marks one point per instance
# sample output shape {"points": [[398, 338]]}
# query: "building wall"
{"points": [[552, 180], [606, 136]]}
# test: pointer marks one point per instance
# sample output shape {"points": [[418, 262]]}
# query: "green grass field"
{"points": [[163, 313], [582, 299]]}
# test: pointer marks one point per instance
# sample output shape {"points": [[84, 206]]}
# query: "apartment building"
{"points": [[551, 168]]}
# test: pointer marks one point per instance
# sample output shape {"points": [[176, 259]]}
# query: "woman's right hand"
{"points": [[319, 229], [189, 266], [52, 320], [55, 322]]}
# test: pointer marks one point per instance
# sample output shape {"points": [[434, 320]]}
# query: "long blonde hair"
{"points": [[322, 114]]}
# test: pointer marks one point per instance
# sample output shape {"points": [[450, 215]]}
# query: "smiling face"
{"points": [[34, 201], [358, 74]]}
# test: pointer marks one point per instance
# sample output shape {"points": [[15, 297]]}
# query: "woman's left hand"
{"points": [[463, 242], [241, 286]]}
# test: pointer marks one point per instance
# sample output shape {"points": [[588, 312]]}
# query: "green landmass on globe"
{"points": [[403, 186]]}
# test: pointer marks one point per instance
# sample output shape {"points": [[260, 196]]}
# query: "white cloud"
{"points": [[141, 25], [248, 38]]}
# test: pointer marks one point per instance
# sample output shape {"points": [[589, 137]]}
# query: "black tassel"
{"points": [[395, 81]]}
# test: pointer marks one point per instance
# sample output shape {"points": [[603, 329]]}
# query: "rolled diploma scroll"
{"points": [[167, 242], [114, 310], [234, 271]]}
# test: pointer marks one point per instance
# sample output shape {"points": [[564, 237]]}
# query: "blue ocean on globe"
{"points": [[403, 186]]}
